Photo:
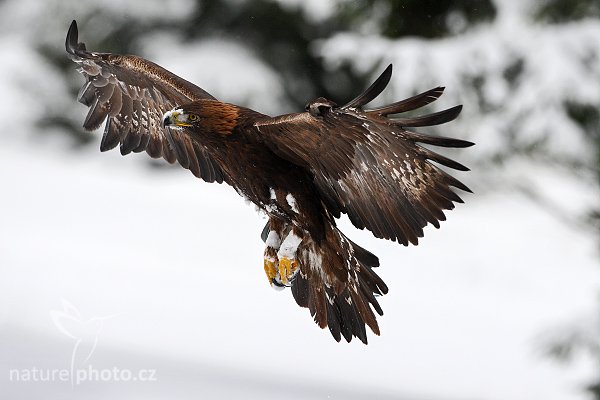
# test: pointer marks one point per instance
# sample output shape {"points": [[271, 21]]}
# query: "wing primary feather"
{"points": [[412, 103], [452, 181], [86, 94], [439, 141], [72, 37], [427, 216], [434, 209], [372, 91], [438, 118], [449, 194], [131, 141], [95, 116], [111, 136], [440, 159], [144, 140], [442, 202]]}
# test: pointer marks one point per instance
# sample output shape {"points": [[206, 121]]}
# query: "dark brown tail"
{"points": [[340, 292]]}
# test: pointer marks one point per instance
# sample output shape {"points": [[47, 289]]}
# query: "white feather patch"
{"points": [[273, 240], [292, 202], [289, 246]]}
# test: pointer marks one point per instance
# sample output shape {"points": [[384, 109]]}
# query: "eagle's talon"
{"points": [[271, 271], [287, 270], [277, 285], [273, 274]]}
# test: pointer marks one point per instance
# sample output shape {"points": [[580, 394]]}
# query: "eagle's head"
{"points": [[203, 116]]}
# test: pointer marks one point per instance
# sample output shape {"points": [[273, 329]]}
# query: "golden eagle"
{"points": [[303, 170]]}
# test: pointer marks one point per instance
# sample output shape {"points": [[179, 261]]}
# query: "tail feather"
{"points": [[344, 302], [300, 287]]}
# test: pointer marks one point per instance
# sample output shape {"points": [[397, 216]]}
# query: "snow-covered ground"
{"points": [[175, 266]]}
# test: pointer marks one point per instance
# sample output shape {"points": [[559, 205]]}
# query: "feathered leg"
{"points": [[281, 243]]}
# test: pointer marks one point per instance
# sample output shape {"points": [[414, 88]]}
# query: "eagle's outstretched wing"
{"points": [[133, 94], [370, 166]]}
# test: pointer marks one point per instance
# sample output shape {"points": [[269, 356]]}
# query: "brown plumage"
{"points": [[304, 170]]}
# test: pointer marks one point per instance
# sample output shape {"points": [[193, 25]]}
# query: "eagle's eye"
{"points": [[193, 117]]}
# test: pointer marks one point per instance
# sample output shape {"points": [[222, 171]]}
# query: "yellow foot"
{"points": [[287, 269], [271, 271]]}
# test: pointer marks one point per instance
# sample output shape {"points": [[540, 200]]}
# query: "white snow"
{"points": [[316, 10]]}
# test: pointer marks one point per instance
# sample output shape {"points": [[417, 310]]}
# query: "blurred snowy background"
{"points": [[484, 308]]}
